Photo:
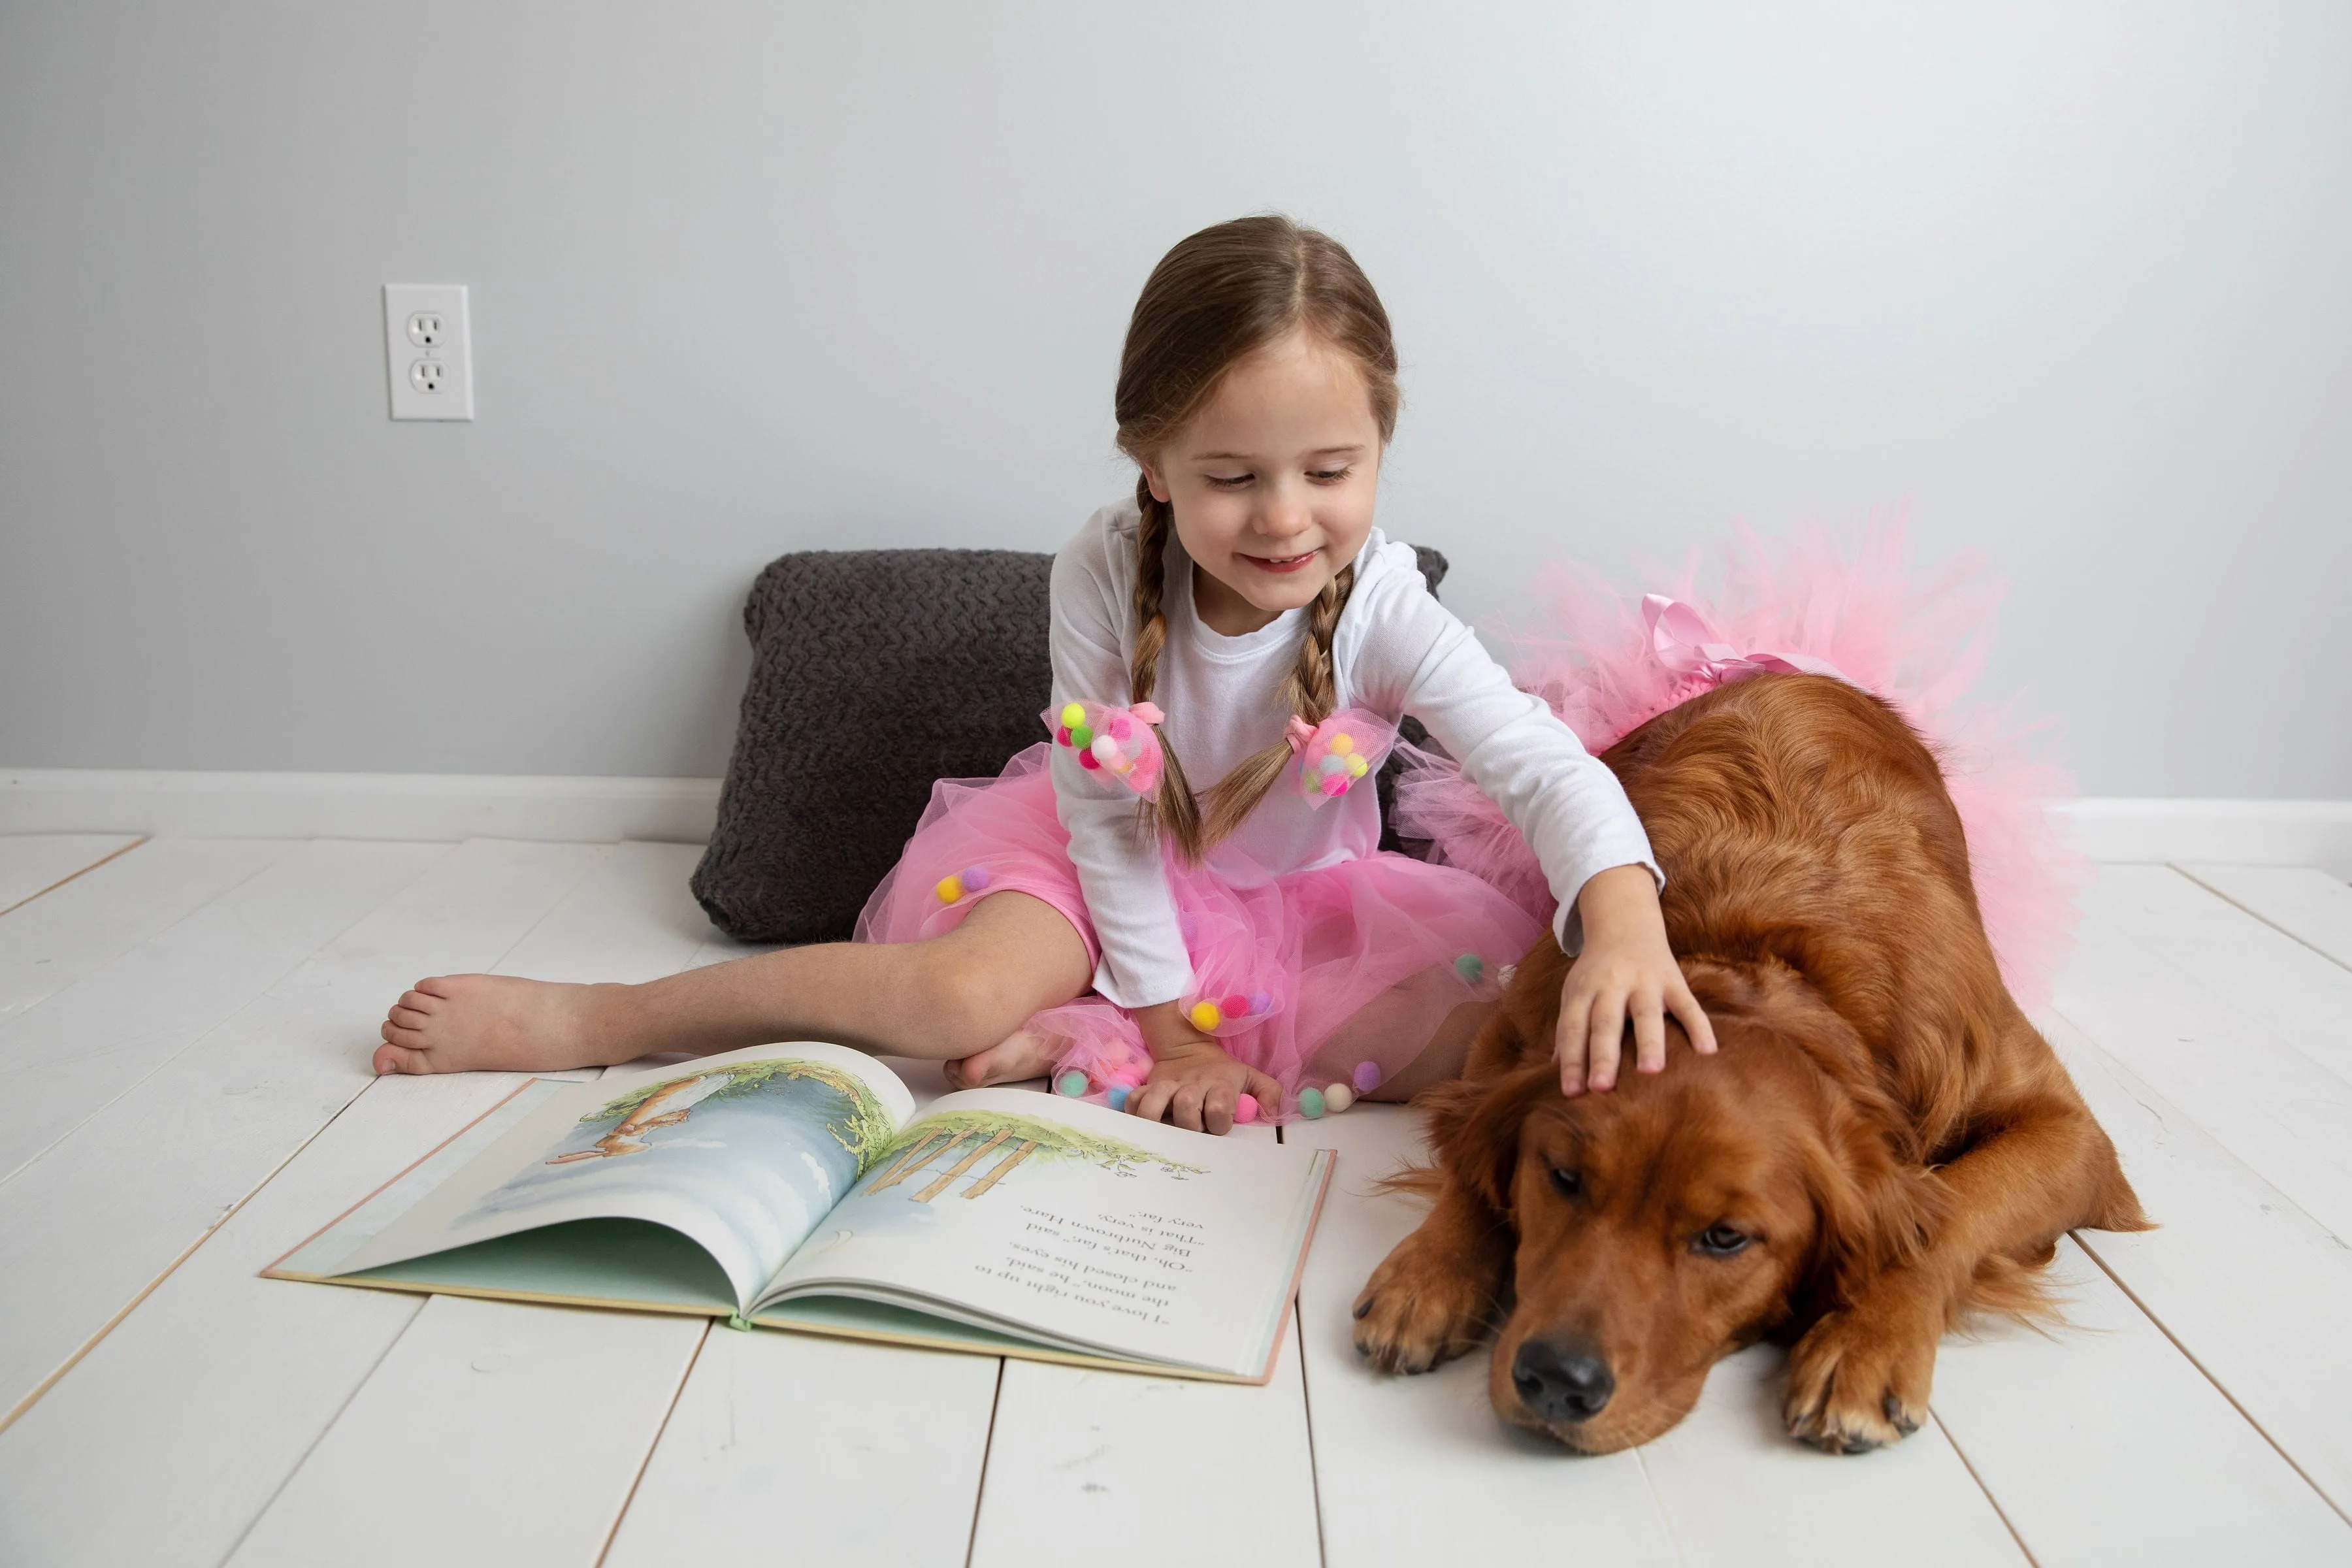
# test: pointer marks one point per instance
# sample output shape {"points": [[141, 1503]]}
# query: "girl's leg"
{"points": [[952, 997]]}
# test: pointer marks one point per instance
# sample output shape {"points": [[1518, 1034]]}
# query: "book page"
{"points": [[744, 1151], [1075, 1222]]}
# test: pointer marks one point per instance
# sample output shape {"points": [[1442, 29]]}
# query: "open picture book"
{"points": [[795, 1186]]}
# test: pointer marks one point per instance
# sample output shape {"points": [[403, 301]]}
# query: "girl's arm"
{"points": [[1415, 656], [1145, 967], [1116, 857]]}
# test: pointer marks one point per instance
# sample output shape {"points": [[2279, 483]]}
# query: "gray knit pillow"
{"points": [[873, 674]]}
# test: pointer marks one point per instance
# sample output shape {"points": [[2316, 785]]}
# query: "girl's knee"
{"points": [[973, 997]]}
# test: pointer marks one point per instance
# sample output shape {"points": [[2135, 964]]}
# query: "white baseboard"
{"points": [[2233, 832], [448, 806], [416, 806]]}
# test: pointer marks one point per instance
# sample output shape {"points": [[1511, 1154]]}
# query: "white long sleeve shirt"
{"points": [[1396, 650]]}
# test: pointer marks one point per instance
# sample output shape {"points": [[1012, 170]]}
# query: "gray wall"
{"points": [[2069, 282]]}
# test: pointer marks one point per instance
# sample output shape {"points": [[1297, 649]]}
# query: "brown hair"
{"points": [[1218, 296]]}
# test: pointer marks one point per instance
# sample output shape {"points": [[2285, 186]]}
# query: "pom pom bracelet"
{"points": [[1117, 742], [1333, 755]]}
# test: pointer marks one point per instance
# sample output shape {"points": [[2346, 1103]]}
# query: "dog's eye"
{"points": [[1567, 1184], [1720, 1240]]}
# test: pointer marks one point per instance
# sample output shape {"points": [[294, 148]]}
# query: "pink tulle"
{"points": [[1339, 974], [1919, 645]]}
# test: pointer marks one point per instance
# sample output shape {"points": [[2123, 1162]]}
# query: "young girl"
{"points": [[1195, 956]]}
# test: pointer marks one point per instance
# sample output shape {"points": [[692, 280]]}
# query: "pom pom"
{"points": [[950, 890], [1367, 1077], [1118, 1093], [1112, 740], [1245, 1109], [1344, 747], [1337, 1097], [1471, 968], [1310, 1103], [1234, 1006], [976, 879], [1072, 1083], [1260, 1002], [1205, 1016]]}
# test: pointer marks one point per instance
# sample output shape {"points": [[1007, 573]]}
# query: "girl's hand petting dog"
{"points": [[1193, 1082], [1626, 974]]}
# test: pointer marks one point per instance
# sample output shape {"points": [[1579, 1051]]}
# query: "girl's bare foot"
{"points": [[1023, 1054], [497, 1022]]}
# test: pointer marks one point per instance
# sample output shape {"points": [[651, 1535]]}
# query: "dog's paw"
{"points": [[1427, 1303], [1859, 1380]]}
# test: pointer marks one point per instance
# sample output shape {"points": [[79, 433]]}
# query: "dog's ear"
{"points": [[1876, 1210], [1474, 1126]]}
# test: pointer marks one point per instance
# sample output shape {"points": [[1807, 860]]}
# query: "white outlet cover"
{"points": [[428, 350]]}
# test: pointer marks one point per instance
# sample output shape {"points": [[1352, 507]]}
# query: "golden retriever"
{"points": [[1882, 1144]]}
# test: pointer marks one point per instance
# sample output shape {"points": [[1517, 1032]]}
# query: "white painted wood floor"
{"points": [[184, 1029]]}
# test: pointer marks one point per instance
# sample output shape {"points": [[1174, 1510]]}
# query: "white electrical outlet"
{"points": [[428, 350]]}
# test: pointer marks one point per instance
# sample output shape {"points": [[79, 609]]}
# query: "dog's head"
{"points": [[1674, 1218]]}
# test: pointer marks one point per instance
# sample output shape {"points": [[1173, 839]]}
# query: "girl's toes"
{"points": [[973, 1071], [418, 1001], [392, 1059], [405, 1017]]}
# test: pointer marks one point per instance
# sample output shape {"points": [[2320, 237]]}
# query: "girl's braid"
{"points": [[1173, 807]]}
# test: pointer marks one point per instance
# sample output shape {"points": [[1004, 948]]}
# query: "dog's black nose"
{"points": [[1562, 1380]]}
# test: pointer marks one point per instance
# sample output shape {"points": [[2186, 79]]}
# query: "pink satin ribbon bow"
{"points": [[1685, 644]]}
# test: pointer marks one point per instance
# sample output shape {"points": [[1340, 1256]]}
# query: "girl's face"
{"points": [[1272, 482]]}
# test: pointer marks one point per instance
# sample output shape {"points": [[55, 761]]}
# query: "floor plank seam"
{"points": [[636, 1477], [2006, 1522], [262, 994], [43, 1387], [100, 1108], [2295, 936], [325, 1427], [2092, 1251], [2221, 999], [1666, 1516], [33, 1396], [62, 881], [1306, 1404], [987, 1446]]}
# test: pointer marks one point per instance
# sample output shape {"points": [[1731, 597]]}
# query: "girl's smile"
{"points": [[1272, 483]]}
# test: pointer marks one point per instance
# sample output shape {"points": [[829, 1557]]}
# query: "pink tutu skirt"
{"points": [[1339, 975]]}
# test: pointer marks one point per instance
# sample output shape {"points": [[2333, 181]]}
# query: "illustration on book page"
{"points": [[673, 1135], [957, 1142]]}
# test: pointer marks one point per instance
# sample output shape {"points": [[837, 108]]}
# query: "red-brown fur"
{"points": [[1894, 1141]]}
